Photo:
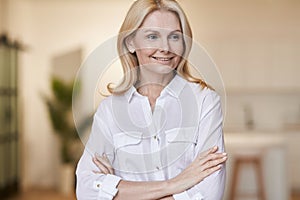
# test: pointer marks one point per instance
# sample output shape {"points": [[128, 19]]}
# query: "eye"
{"points": [[175, 37], [152, 36]]}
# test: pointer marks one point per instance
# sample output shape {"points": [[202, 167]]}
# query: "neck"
{"points": [[151, 84], [149, 79]]}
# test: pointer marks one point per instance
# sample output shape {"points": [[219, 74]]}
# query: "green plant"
{"points": [[60, 113]]}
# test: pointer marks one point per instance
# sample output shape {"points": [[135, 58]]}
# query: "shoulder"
{"points": [[206, 94], [208, 100], [105, 105], [109, 103]]}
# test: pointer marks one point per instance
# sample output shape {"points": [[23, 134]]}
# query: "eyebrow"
{"points": [[155, 31]]}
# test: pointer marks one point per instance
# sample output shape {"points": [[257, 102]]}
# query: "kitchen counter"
{"points": [[254, 139]]}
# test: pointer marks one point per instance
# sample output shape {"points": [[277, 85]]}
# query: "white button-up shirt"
{"points": [[146, 145]]}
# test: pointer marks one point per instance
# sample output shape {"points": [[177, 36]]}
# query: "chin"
{"points": [[159, 68]]}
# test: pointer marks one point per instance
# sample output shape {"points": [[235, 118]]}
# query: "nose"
{"points": [[164, 46]]}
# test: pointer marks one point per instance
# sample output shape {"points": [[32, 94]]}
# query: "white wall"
{"points": [[254, 43]]}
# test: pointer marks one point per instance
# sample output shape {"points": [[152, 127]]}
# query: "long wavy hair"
{"points": [[139, 10]]}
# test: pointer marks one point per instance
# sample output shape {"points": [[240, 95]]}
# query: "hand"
{"points": [[204, 165], [103, 164]]}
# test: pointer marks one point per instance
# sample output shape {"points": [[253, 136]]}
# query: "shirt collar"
{"points": [[174, 88], [129, 93]]}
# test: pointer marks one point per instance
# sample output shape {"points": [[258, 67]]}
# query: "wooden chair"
{"points": [[256, 161]]}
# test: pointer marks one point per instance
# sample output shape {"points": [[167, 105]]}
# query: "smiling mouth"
{"points": [[164, 59]]}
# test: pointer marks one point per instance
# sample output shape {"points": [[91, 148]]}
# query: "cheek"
{"points": [[177, 48], [143, 55], [176, 61]]}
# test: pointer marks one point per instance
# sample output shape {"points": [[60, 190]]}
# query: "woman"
{"points": [[159, 135]]}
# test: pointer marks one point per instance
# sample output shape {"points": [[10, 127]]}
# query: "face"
{"points": [[159, 42]]}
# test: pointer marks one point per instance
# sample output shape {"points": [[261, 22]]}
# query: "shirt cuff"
{"points": [[108, 187], [184, 196]]}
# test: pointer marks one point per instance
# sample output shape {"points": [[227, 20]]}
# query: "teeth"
{"points": [[162, 59]]}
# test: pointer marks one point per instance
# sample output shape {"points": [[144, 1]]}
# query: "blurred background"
{"points": [[254, 43]]}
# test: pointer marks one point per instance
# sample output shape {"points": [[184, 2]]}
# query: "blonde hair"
{"points": [[139, 10]]}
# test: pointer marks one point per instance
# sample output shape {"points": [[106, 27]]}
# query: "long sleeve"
{"points": [[210, 134], [92, 186]]}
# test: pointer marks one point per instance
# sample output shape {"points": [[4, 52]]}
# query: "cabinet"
{"points": [[9, 131], [256, 63]]}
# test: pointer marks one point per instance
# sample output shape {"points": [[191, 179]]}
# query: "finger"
{"points": [[213, 163], [211, 170], [104, 160], [102, 167], [212, 157], [207, 152], [111, 169]]}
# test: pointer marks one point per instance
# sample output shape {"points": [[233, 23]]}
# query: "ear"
{"points": [[129, 44]]}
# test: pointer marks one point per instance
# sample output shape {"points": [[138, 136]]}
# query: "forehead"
{"points": [[162, 19]]}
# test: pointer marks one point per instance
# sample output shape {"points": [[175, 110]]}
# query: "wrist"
{"points": [[171, 187]]}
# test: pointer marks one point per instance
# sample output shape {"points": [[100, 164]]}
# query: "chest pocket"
{"points": [[127, 141], [181, 135], [129, 152], [181, 143]]}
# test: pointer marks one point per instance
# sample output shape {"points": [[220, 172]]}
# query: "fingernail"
{"points": [[224, 158], [224, 154]]}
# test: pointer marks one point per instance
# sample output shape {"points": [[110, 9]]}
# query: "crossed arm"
{"points": [[204, 165]]}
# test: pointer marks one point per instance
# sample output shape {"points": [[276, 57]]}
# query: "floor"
{"points": [[42, 195], [50, 195]]}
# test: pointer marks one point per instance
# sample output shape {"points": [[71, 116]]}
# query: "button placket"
{"points": [[159, 122], [147, 110]]}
